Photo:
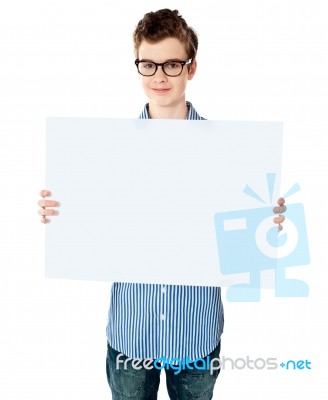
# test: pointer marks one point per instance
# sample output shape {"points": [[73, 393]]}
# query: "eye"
{"points": [[172, 65], [148, 65]]}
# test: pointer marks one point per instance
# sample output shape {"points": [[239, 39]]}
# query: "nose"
{"points": [[159, 75]]}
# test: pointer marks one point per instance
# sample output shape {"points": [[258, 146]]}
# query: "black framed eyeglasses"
{"points": [[170, 68]]}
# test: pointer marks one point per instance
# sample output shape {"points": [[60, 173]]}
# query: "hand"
{"points": [[280, 210], [44, 211]]}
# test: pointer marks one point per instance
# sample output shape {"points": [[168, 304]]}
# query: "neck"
{"points": [[178, 111]]}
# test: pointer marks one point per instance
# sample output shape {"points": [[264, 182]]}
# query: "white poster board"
{"points": [[140, 199]]}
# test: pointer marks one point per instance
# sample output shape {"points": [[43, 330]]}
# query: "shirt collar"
{"points": [[192, 113]]}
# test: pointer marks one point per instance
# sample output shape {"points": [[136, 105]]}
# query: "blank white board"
{"points": [[139, 197]]}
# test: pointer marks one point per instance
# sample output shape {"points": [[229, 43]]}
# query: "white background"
{"points": [[258, 60]]}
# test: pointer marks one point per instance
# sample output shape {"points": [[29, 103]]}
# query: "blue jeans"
{"points": [[142, 384]]}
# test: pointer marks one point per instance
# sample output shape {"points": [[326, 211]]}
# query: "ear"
{"points": [[192, 70]]}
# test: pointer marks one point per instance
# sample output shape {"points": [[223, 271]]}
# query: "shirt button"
{"points": [[163, 289], [162, 317]]}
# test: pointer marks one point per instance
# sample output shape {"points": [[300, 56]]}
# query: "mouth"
{"points": [[161, 91]]}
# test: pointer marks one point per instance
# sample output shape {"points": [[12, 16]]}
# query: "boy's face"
{"points": [[163, 90]]}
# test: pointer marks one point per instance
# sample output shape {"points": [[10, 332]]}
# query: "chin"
{"points": [[163, 103]]}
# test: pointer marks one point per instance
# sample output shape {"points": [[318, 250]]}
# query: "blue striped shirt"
{"points": [[173, 321]]}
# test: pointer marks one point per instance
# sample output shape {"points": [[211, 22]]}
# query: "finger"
{"points": [[279, 209], [281, 201], [279, 220], [48, 203], [44, 211], [45, 193]]}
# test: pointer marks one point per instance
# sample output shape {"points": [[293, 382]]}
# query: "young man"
{"points": [[153, 321], [149, 321]]}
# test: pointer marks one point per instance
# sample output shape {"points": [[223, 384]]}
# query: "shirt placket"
{"points": [[163, 317]]}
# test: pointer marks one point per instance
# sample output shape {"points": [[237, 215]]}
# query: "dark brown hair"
{"points": [[163, 24]]}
